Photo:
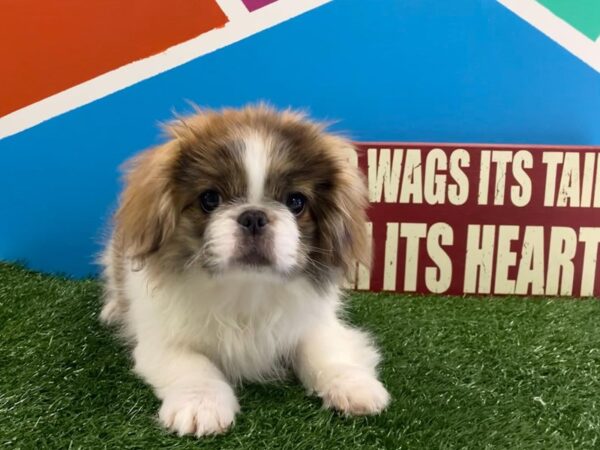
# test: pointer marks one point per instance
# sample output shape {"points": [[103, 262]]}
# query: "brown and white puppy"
{"points": [[225, 263]]}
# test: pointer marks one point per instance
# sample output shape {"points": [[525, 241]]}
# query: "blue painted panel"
{"points": [[464, 71]]}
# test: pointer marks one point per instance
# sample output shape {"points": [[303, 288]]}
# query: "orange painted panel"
{"points": [[48, 46]]}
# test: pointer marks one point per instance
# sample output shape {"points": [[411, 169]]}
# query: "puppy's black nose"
{"points": [[253, 221]]}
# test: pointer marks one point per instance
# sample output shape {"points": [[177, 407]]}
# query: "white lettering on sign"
{"points": [[435, 187], [531, 264], [458, 192], [483, 258], [484, 177], [506, 258], [520, 194], [412, 179], [588, 180], [479, 260], [591, 238], [391, 257], [568, 191], [402, 176], [505, 162], [438, 278], [384, 174], [413, 233], [500, 158], [552, 160], [570, 185], [437, 236], [563, 243]]}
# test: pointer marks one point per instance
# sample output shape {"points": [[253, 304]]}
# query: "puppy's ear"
{"points": [[148, 211], [346, 227]]}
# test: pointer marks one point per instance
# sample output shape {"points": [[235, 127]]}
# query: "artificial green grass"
{"points": [[463, 373]]}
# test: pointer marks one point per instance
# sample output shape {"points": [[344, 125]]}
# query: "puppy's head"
{"points": [[251, 190]]}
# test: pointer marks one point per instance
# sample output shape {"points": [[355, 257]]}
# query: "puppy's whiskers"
{"points": [[193, 260]]}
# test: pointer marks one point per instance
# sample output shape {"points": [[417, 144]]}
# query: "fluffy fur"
{"points": [[209, 300]]}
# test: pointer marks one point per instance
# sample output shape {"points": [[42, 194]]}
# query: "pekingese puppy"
{"points": [[229, 246]]}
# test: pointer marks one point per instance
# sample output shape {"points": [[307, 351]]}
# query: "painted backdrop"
{"points": [[85, 84]]}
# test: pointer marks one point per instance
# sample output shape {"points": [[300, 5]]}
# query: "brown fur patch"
{"points": [[149, 207]]}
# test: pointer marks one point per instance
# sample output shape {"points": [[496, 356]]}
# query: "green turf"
{"points": [[463, 373]]}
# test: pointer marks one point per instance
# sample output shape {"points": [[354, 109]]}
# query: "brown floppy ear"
{"points": [[148, 212], [347, 225]]}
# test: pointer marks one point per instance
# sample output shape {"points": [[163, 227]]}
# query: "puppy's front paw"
{"points": [[354, 392], [203, 411]]}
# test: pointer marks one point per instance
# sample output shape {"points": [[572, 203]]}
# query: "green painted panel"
{"points": [[584, 15]]}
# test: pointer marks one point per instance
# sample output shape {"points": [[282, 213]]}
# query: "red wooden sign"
{"points": [[482, 219]]}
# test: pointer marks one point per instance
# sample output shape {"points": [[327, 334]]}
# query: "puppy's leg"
{"points": [[113, 309], [196, 397], [338, 363], [115, 303]]}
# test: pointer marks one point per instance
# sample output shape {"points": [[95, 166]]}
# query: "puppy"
{"points": [[225, 263]]}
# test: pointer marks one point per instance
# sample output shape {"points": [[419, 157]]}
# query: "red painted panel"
{"points": [[48, 46], [561, 256]]}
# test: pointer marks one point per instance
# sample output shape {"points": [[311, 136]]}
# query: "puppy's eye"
{"points": [[209, 200], [296, 203]]}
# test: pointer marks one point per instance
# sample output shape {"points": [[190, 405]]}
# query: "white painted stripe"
{"points": [[557, 29], [233, 9], [239, 27]]}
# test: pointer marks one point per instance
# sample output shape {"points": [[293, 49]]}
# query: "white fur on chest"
{"points": [[247, 324]]}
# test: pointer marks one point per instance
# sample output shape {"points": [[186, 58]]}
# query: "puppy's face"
{"points": [[251, 190]]}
